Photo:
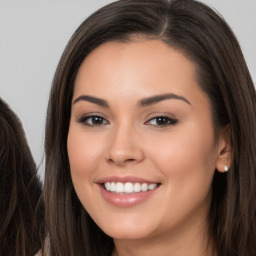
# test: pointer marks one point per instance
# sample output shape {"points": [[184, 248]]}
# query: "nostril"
{"points": [[121, 161], [130, 160]]}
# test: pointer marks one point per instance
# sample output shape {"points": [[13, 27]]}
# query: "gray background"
{"points": [[33, 34]]}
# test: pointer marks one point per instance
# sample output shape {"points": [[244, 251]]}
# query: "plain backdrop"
{"points": [[33, 34]]}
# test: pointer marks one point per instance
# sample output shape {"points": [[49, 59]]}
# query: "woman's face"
{"points": [[141, 142]]}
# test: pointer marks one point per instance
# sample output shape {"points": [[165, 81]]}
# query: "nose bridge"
{"points": [[124, 146]]}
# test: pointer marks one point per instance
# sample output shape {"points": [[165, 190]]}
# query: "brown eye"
{"points": [[96, 120], [93, 120], [162, 121]]}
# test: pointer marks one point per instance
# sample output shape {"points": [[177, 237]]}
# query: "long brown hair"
{"points": [[21, 209], [202, 36]]}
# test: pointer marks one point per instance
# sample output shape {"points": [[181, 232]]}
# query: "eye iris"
{"points": [[97, 120], [162, 120]]}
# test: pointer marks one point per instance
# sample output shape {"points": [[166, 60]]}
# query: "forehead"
{"points": [[124, 73], [151, 63]]}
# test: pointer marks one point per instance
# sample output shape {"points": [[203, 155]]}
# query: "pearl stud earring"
{"points": [[225, 168]]}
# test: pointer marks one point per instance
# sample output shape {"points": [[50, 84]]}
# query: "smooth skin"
{"points": [[170, 140]]}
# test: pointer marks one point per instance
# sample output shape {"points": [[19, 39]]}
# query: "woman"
{"points": [[21, 222], [150, 136]]}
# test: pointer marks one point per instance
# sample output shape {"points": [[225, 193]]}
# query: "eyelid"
{"points": [[85, 114], [171, 120], [85, 117]]}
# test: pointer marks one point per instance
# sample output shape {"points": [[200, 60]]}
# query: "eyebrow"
{"points": [[155, 99], [142, 103], [92, 99]]}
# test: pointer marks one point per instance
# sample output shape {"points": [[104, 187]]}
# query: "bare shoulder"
{"points": [[39, 253]]}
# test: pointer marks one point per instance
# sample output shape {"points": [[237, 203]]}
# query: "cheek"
{"points": [[185, 156], [83, 153], [186, 161]]}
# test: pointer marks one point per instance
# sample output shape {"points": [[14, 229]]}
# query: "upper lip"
{"points": [[125, 179]]}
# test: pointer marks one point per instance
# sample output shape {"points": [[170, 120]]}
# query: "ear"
{"points": [[224, 157]]}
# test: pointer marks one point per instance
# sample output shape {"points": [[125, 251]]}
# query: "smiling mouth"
{"points": [[129, 187]]}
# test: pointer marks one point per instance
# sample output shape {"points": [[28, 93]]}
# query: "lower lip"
{"points": [[126, 200]]}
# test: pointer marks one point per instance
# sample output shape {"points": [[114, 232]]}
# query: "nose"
{"points": [[125, 146]]}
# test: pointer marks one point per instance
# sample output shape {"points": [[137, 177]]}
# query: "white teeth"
{"points": [[144, 187], [108, 186], [137, 187], [113, 187], [119, 187], [128, 187], [152, 186]]}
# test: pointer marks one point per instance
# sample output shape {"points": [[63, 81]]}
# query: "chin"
{"points": [[127, 235], [131, 231]]}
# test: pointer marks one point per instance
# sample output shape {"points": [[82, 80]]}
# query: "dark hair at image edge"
{"points": [[22, 208], [203, 37]]}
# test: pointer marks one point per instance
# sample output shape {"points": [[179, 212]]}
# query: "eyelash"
{"points": [[84, 120], [167, 121], [102, 121]]}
